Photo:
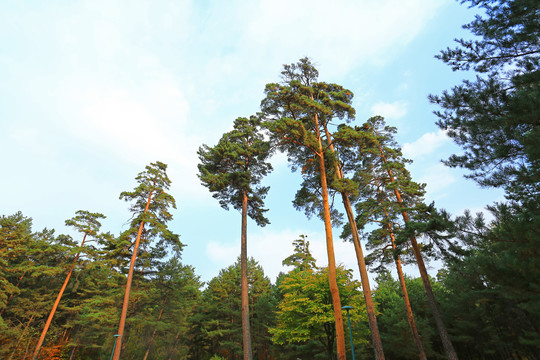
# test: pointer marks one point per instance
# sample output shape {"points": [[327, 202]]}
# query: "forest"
{"points": [[99, 295]]}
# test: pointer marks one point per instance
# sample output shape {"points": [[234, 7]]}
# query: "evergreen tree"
{"points": [[217, 325], [150, 207], [496, 117], [87, 224], [296, 113], [386, 172], [232, 170]]}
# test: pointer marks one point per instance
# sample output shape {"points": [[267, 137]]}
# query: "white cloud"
{"points": [[270, 248], [340, 35], [426, 144], [437, 178], [393, 111]]}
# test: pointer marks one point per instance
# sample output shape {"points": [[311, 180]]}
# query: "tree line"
{"points": [[129, 295]]}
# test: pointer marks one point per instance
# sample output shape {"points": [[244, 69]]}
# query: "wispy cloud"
{"points": [[394, 111], [425, 145], [270, 248]]}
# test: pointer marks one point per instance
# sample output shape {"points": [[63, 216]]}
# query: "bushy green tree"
{"points": [[217, 326], [305, 313]]}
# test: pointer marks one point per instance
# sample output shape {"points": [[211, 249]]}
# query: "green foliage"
{"points": [[217, 325], [305, 314], [236, 165], [153, 184], [496, 118], [301, 259], [297, 113], [495, 281]]}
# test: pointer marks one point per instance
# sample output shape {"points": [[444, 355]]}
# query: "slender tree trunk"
{"points": [[370, 307], [123, 316], [445, 338], [174, 350], [408, 308], [158, 319], [51, 314], [21, 337], [332, 278], [246, 332], [73, 352]]}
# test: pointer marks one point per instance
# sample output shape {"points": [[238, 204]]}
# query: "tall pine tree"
{"points": [[232, 170]]}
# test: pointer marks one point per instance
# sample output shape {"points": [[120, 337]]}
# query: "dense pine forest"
{"points": [[98, 295]]}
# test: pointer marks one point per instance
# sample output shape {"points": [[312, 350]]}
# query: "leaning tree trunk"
{"points": [[123, 316], [441, 328], [246, 332], [408, 308], [332, 278], [370, 307], [60, 293], [21, 337]]}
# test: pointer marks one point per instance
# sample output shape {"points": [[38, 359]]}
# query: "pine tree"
{"points": [[87, 224], [231, 170], [296, 113], [408, 197], [496, 117], [150, 208]]}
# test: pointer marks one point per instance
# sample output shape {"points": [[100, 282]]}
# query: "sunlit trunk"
{"points": [[332, 278], [60, 293], [123, 316], [370, 307]]}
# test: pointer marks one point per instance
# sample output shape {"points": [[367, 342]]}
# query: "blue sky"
{"points": [[93, 91]]}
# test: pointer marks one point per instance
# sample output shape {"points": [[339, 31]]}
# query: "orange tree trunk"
{"points": [[123, 316], [332, 279], [370, 307], [445, 338], [246, 332], [60, 293], [410, 317]]}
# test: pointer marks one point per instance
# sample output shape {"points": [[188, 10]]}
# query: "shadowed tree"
{"points": [[150, 208], [87, 224], [375, 205], [495, 118], [408, 195], [232, 170]]}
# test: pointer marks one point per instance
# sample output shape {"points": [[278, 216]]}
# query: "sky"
{"points": [[93, 91]]}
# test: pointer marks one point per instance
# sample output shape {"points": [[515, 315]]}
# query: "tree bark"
{"points": [[21, 337], [246, 331], [370, 307], [51, 314], [123, 316], [443, 333], [332, 278], [408, 308]]}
